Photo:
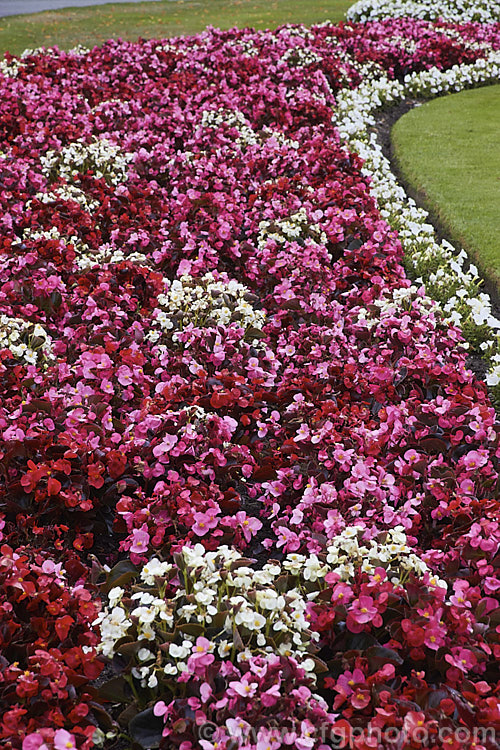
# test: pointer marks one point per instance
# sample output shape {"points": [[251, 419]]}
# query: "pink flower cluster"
{"points": [[127, 174]]}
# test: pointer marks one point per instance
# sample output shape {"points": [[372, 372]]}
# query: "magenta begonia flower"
{"points": [[249, 525], [34, 741]]}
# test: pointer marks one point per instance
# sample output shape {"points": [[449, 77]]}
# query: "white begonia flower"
{"points": [[104, 158], [153, 681], [145, 615], [115, 594], [146, 632], [143, 597], [144, 654], [270, 599], [314, 569], [272, 569], [257, 622], [224, 648], [178, 652], [205, 597], [154, 569], [140, 672]]}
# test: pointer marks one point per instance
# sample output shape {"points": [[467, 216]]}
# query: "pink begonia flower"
{"points": [[411, 456], [491, 585], [413, 721], [201, 656], [238, 728], [302, 433], [341, 593], [302, 693], [288, 539], [474, 460], [270, 697], [307, 738], [243, 687], [360, 698], [461, 658], [379, 575], [257, 667], [107, 386], [166, 445], [467, 486], [459, 598], [434, 634], [344, 457], [160, 708], [63, 740], [387, 672], [51, 568], [184, 268], [297, 517], [362, 610], [205, 692], [267, 739], [218, 738], [346, 682], [140, 540], [205, 521], [249, 525], [124, 375], [34, 742]]}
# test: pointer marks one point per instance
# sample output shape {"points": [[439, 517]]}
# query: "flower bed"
{"points": [[243, 462]]}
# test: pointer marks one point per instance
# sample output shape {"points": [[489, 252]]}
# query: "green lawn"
{"points": [[90, 26], [449, 151]]}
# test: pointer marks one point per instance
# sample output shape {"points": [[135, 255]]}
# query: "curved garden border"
{"points": [[449, 277]]}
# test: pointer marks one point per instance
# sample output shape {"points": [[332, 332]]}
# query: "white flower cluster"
{"points": [[244, 47], [493, 375], [211, 300], [348, 553], [300, 57], [79, 51], [170, 48], [297, 32], [242, 611], [220, 592], [394, 303], [106, 254], [28, 342], [103, 157], [232, 119], [458, 11], [12, 68], [68, 193], [247, 136], [447, 275], [294, 227], [85, 257]]}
